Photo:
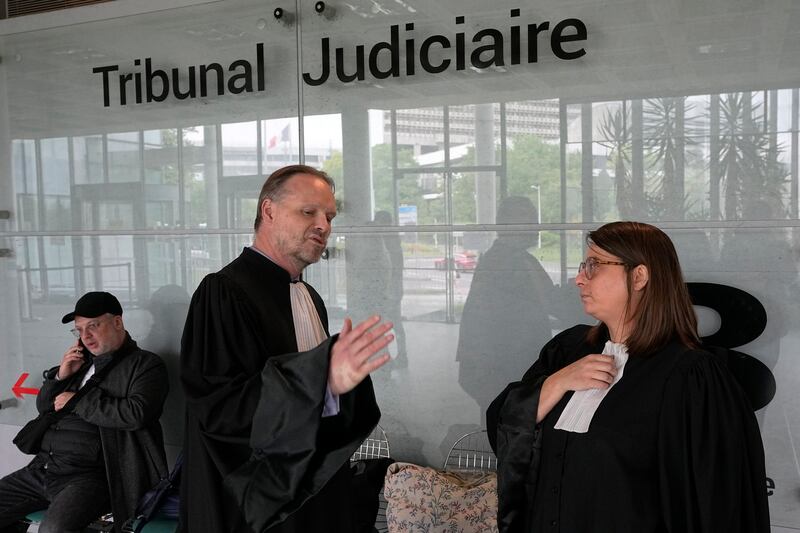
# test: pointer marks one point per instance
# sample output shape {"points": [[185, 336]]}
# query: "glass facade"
{"points": [[457, 133]]}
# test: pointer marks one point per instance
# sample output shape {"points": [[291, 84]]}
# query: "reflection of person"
{"points": [[264, 383], [627, 425], [506, 315], [376, 280], [108, 451], [168, 307], [391, 307]]}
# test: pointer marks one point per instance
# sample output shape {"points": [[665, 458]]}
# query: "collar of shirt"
{"points": [[98, 362], [294, 280]]}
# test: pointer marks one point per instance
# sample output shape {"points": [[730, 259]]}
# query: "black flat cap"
{"points": [[94, 304]]}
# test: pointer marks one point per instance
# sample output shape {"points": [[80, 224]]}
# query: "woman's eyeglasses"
{"points": [[589, 267]]}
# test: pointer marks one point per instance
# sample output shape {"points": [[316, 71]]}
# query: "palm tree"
{"points": [[616, 136], [749, 163], [669, 135]]}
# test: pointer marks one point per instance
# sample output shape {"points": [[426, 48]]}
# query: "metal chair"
{"points": [[471, 453], [375, 446]]}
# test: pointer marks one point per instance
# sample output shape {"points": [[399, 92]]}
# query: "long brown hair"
{"points": [[665, 310]]}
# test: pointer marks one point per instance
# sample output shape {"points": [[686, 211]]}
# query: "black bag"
{"points": [[163, 501], [29, 438], [366, 486]]}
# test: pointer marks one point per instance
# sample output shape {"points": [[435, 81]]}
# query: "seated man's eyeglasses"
{"points": [[91, 327], [589, 267]]}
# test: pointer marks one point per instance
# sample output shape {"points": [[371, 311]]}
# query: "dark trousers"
{"points": [[72, 502]]}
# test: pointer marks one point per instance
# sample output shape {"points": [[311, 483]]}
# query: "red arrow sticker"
{"points": [[19, 390]]}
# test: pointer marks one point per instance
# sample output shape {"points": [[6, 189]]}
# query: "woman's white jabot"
{"points": [[580, 409]]}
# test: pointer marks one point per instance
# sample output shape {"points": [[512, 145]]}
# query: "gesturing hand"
{"points": [[71, 361], [594, 371], [351, 354]]}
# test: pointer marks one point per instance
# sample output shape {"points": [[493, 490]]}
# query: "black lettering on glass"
{"points": [[743, 320]]}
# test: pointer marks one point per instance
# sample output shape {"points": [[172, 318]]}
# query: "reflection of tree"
{"points": [[749, 165], [195, 188], [748, 158], [464, 201], [409, 191], [534, 161], [530, 161], [616, 136], [333, 167], [668, 130]]}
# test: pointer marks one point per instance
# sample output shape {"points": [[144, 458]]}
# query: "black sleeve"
{"points": [[221, 390], [516, 439], [143, 401], [711, 458], [51, 388], [521, 398], [296, 451]]}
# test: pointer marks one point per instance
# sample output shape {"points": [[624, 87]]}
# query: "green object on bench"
{"points": [[156, 525], [160, 525], [36, 516]]}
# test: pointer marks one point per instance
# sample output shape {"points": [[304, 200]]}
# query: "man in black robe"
{"points": [[275, 408]]}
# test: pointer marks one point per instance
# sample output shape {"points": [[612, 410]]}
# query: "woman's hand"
{"points": [[594, 371]]}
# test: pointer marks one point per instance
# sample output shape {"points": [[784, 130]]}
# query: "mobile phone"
{"points": [[87, 355]]}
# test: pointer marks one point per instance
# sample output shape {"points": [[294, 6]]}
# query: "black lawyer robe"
{"points": [[253, 411], [674, 447]]}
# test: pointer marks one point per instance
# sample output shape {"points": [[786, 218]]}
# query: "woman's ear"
{"points": [[641, 275]]}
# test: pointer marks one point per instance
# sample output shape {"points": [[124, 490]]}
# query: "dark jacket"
{"points": [[72, 447], [125, 406]]}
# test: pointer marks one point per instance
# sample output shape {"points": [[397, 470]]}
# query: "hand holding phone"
{"points": [[72, 360]]}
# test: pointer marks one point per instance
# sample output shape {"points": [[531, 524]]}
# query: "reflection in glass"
{"points": [[239, 142], [124, 159], [200, 176], [87, 153], [506, 317]]}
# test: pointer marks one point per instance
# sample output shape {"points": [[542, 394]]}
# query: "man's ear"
{"points": [[266, 209], [641, 275]]}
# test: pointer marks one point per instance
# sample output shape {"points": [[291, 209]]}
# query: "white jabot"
{"points": [[308, 330], [307, 326], [309, 333], [580, 409]]}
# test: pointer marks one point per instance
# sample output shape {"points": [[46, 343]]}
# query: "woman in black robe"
{"points": [[628, 426]]}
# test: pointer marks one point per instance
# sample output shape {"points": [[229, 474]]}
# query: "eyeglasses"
{"points": [[91, 327], [589, 267]]}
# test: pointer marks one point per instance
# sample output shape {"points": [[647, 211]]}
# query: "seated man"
{"points": [[108, 449]]}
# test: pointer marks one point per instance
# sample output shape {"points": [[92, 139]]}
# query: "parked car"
{"points": [[460, 262]]}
